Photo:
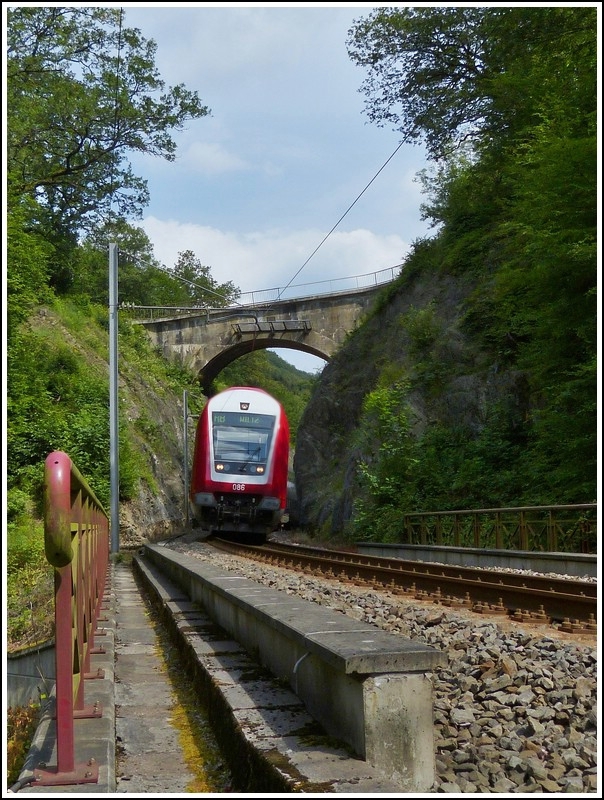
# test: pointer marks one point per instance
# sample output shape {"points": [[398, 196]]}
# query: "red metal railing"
{"points": [[76, 543]]}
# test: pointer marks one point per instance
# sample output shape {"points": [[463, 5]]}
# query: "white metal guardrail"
{"points": [[262, 296]]}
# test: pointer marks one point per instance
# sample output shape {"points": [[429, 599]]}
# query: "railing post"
{"points": [[498, 531], [523, 543], [476, 530], [552, 543], [64, 670], [439, 531], [407, 529], [456, 529]]}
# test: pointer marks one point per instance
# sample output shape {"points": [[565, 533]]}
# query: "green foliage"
{"points": [[386, 462], [83, 91], [22, 724], [25, 541], [452, 75], [198, 286], [464, 468], [516, 211], [60, 401], [423, 329], [56, 404], [17, 504], [29, 585], [26, 280], [444, 468], [138, 272]]}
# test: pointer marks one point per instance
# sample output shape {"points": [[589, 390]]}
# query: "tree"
{"points": [[26, 282], [506, 100], [201, 288], [138, 267], [82, 92], [455, 74]]}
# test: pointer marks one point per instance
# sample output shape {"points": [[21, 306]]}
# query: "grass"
{"points": [[22, 722], [29, 588], [30, 621]]}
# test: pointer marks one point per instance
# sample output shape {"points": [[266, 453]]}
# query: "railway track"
{"points": [[568, 604]]}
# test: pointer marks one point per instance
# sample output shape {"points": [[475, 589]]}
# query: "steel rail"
{"points": [[567, 602]]}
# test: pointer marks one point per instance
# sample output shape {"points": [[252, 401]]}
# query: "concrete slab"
{"points": [[257, 695], [348, 674], [278, 744]]}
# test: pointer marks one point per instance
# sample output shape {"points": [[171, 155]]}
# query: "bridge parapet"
{"points": [[206, 340], [319, 288], [264, 298]]}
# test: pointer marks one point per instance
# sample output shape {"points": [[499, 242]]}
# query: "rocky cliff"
{"points": [[452, 383]]}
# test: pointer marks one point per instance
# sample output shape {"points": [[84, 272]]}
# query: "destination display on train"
{"points": [[242, 419]]}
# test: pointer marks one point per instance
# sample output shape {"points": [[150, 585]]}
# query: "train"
{"points": [[239, 475]]}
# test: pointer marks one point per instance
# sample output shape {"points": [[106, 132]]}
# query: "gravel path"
{"points": [[515, 709]]}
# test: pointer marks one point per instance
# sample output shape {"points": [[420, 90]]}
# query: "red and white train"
{"points": [[240, 464]]}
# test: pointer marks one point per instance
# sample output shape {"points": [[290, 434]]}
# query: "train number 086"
{"points": [[239, 487]]}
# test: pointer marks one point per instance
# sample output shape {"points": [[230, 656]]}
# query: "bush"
{"points": [[22, 722]]}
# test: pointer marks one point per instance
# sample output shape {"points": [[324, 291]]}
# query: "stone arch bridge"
{"points": [[206, 340]]}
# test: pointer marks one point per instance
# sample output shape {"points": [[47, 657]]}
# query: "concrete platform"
{"points": [[274, 744], [367, 688], [277, 746]]}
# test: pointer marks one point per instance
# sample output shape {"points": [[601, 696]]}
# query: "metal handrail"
{"points": [[277, 294], [556, 528], [76, 543]]}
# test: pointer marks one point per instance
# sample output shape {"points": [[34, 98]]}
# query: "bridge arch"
{"points": [[206, 340], [215, 366]]}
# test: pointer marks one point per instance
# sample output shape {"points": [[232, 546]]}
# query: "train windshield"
{"points": [[242, 436]]}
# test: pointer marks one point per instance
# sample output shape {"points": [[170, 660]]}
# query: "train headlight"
{"points": [[219, 467], [260, 470]]}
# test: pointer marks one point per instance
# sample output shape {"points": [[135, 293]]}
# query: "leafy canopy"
{"points": [[450, 75], [505, 100], [82, 92]]}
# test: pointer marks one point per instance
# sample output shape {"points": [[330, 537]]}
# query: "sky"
{"points": [[259, 183]]}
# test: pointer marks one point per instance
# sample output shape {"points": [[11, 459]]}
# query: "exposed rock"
{"points": [[326, 454]]}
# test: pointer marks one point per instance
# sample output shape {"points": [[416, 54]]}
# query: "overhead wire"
{"points": [[321, 243], [354, 202]]}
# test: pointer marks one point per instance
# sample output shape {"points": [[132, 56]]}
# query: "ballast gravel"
{"points": [[515, 709]]}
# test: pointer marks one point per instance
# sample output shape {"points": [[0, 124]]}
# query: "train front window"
{"points": [[241, 439]]}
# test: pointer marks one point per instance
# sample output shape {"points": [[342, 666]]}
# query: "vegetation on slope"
{"points": [[506, 101], [60, 222]]}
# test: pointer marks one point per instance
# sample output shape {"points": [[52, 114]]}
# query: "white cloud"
{"points": [[275, 258], [258, 183], [211, 158]]}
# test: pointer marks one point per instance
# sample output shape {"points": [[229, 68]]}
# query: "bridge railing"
{"points": [[560, 528], [318, 288], [76, 543], [274, 295]]}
